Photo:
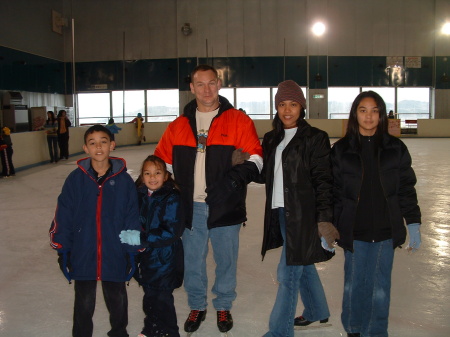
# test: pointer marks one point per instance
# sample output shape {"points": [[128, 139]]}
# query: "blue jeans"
{"points": [[225, 245], [367, 288], [295, 279], [53, 148]]}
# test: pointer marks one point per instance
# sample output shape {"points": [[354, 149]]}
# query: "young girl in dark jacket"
{"points": [[161, 263], [299, 210], [374, 195]]}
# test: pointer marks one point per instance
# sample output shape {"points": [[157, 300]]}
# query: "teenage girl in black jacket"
{"points": [[374, 195]]}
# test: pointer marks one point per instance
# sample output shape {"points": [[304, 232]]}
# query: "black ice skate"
{"points": [[224, 320], [301, 322], [196, 317]]}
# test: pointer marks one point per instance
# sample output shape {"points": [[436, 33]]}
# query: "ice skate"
{"points": [[224, 321], [300, 323], [196, 317]]}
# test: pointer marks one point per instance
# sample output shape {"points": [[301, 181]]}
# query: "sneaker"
{"points": [[302, 321], [196, 317], [224, 320]]}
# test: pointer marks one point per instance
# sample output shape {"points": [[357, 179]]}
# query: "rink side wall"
{"points": [[30, 148]]}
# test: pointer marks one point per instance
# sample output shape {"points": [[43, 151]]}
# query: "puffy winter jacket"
{"points": [[89, 218], [226, 186], [397, 179], [161, 264]]}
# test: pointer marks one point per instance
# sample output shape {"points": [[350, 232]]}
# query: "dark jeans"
{"points": [[115, 295], [53, 148], [367, 288], [63, 141], [7, 164], [160, 315]]}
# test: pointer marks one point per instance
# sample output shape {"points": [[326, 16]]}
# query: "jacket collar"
{"points": [[117, 165], [190, 108], [356, 146]]}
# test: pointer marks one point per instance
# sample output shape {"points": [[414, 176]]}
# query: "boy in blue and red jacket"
{"points": [[98, 201]]}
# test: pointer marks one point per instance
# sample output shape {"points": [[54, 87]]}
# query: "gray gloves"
{"points": [[130, 237], [238, 157], [414, 237], [329, 232]]}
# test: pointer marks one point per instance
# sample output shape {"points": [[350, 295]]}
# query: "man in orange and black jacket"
{"points": [[205, 149]]}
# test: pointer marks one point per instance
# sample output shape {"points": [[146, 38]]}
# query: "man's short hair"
{"points": [[203, 67], [97, 128]]}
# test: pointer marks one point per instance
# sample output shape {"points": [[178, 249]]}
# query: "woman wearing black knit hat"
{"points": [[298, 211]]}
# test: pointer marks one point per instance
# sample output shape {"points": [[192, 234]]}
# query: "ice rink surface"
{"points": [[35, 299]]}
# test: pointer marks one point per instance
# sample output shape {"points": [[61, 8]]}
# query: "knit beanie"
{"points": [[290, 91]]}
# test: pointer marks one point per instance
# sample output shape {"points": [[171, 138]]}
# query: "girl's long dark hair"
{"points": [[158, 162], [278, 126], [353, 126], [52, 119]]}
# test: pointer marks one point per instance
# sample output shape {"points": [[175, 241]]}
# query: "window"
{"points": [[228, 93], [340, 101], [254, 101], [93, 108], [413, 103], [134, 104], [163, 105]]}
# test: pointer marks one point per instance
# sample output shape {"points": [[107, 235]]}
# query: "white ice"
{"points": [[35, 299]]}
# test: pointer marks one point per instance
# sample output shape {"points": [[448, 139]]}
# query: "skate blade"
{"points": [[222, 334], [226, 334], [311, 326]]}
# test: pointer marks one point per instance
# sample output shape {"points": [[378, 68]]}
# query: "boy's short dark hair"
{"points": [[97, 128]]}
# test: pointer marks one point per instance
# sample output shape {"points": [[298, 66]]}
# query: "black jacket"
{"points": [[307, 180], [397, 180]]}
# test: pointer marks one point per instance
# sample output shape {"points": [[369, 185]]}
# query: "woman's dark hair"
{"points": [[353, 126], [278, 126], [111, 121], [60, 112], [52, 118], [158, 162]]}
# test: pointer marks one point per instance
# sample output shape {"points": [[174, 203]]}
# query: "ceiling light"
{"points": [[318, 29], [446, 28]]}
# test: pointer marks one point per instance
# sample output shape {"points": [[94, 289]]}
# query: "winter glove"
{"points": [[325, 245], [329, 232], [238, 157], [65, 265], [414, 237], [130, 237]]}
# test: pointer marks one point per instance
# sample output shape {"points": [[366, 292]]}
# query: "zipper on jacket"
{"points": [[359, 196], [98, 221], [384, 195]]}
